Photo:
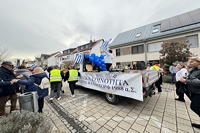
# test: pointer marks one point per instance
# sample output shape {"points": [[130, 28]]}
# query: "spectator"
{"points": [[180, 87], [25, 74], [32, 84], [72, 77], [193, 85], [148, 66], [173, 70], [8, 88]]}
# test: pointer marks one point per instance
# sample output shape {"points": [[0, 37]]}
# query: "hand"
{"points": [[13, 81], [19, 76], [183, 80]]}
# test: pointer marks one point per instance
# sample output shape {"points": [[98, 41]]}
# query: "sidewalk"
{"points": [[159, 113], [89, 112]]}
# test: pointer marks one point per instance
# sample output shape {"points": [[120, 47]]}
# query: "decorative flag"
{"points": [[104, 45], [78, 58]]}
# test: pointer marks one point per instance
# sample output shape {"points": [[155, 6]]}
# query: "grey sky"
{"points": [[31, 27]]}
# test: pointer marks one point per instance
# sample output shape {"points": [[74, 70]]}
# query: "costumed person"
{"points": [[193, 86], [72, 77]]}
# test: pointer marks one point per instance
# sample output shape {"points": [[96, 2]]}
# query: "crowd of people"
{"points": [[185, 76], [20, 80], [187, 80]]}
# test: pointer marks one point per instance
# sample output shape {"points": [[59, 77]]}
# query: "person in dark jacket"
{"points": [[32, 84], [193, 86], [72, 77], [7, 90]]}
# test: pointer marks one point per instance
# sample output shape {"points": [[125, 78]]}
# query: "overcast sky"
{"points": [[31, 27]]}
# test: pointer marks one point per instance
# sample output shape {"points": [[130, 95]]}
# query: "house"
{"points": [[53, 59], [144, 43], [42, 60], [67, 56], [92, 47]]}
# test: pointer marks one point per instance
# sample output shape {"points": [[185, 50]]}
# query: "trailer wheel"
{"points": [[111, 98]]}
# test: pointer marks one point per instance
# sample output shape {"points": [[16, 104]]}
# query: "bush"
{"points": [[24, 122]]}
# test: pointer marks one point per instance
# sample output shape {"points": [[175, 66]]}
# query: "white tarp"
{"points": [[122, 84]]}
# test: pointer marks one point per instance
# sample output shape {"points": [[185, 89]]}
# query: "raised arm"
{"points": [[30, 81]]}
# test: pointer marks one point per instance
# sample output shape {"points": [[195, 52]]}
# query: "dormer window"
{"points": [[138, 34], [155, 30]]}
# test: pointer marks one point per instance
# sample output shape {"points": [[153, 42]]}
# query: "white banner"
{"points": [[122, 84]]}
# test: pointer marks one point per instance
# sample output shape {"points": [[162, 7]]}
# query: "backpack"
{"points": [[44, 87], [44, 83]]}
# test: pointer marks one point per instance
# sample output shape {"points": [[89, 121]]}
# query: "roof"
{"points": [[91, 45], [179, 24]]}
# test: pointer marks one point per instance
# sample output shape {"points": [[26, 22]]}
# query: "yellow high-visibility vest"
{"points": [[73, 75], [55, 75], [155, 67]]}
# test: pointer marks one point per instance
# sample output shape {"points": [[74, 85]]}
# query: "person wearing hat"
{"points": [[8, 89], [33, 84], [193, 86]]}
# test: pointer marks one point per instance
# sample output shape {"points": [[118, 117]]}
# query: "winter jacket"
{"points": [[4, 83], [193, 81], [7, 88], [32, 84]]}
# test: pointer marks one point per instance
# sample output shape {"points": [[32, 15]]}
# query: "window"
{"points": [[82, 47], [154, 47], [125, 51], [117, 52], [156, 29], [138, 34], [192, 41], [137, 49], [118, 63]]}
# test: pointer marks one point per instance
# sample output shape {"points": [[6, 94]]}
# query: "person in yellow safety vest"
{"points": [[155, 67], [159, 82], [56, 77], [72, 77]]}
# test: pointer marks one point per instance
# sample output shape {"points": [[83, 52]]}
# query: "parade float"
{"points": [[135, 84]]}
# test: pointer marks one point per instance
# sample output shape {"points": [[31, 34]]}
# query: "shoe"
{"points": [[196, 125], [73, 95], [58, 98], [181, 100]]}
